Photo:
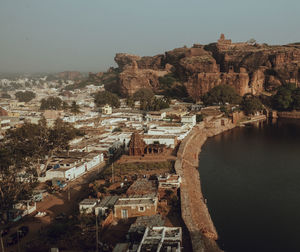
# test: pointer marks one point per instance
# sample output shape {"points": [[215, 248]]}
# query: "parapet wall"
{"points": [[193, 207]]}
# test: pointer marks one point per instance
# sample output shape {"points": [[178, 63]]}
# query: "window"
{"points": [[141, 209], [124, 213]]}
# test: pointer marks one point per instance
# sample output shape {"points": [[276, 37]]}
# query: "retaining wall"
{"points": [[193, 207]]}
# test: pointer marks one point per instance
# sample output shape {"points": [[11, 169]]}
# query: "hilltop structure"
{"points": [[247, 66]]}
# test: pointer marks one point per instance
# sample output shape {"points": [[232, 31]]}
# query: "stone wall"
{"points": [[194, 209], [291, 115]]}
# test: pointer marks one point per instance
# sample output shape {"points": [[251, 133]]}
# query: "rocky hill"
{"points": [[248, 67]]}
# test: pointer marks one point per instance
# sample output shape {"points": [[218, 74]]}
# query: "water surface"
{"points": [[251, 179]]}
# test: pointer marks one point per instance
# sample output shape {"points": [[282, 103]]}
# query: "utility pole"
{"points": [[112, 173], [18, 231], [69, 193], [1, 238], [97, 234]]}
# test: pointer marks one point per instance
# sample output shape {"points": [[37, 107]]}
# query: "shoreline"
{"points": [[193, 206]]}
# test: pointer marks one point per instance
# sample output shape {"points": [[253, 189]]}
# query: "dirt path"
{"points": [[55, 204]]}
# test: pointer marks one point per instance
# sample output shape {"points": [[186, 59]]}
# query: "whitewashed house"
{"points": [[87, 206], [189, 119]]}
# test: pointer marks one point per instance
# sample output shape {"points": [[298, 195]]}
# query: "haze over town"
{"points": [[57, 35], [102, 148]]}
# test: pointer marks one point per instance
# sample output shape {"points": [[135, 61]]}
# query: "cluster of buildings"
{"points": [[141, 201], [107, 131]]}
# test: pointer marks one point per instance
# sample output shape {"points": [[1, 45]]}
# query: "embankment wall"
{"points": [[194, 209], [291, 115]]}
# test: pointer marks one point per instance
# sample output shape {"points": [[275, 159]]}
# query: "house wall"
{"points": [[109, 219], [79, 170], [133, 211], [86, 209], [189, 119], [53, 173]]}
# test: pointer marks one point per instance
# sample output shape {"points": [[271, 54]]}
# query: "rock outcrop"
{"points": [[248, 67], [139, 72], [133, 78]]}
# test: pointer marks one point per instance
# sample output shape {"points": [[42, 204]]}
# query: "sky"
{"points": [[85, 35]]}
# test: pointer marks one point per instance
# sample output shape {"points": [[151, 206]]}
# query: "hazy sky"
{"points": [[84, 35]]}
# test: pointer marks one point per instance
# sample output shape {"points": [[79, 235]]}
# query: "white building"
{"points": [[181, 131], [87, 206], [161, 239], [4, 124], [189, 119], [168, 140], [106, 110], [72, 168], [155, 116], [170, 181]]}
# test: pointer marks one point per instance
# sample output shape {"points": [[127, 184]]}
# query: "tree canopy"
{"points": [[143, 94], [25, 96], [21, 151], [251, 104], [75, 108], [172, 87], [148, 101], [106, 97], [53, 103], [221, 94], [286, 98]]}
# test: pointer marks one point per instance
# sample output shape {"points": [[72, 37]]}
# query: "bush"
{"points": [[199, 118]]}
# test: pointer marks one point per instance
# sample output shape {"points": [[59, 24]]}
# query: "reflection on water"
{"points": [[251, 178]]}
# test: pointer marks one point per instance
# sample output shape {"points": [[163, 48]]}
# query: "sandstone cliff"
{"points": [[248, 67]]}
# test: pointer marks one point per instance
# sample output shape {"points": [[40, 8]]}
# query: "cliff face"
{"points": [[249, 68], [137, 72]]}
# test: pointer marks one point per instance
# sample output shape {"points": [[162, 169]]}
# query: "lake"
{"points": [[251, 179]]}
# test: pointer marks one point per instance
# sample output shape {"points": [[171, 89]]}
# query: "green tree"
{"points": [[148, 101], [53, 103], [5, 96], [283, 99], [220, 95], [143, 94], [65, 105], [251, 104], [199, 118], [130, 102], [296, 99], [25, 96], [75, 108], [105, 97], [21, 151], [171, 86]]}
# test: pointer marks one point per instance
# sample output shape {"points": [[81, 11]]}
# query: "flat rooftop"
{"points": [[89, 202]]}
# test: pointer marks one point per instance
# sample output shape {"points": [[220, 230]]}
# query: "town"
{"points": [[108, 161], [110, 184]]}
